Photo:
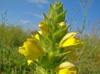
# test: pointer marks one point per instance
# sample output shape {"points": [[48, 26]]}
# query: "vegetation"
{"points": [[11, 62], [11, 37]]}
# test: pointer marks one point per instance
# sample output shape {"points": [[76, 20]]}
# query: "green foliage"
{"points": [[11, 62], [89, 56], [12, 35]]}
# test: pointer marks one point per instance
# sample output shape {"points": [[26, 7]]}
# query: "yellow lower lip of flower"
{"points": [[67, 71], [29, 62]]}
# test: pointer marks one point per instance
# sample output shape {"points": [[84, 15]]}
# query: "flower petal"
{"points": [[67, 36], [31, 49], [72, 42], [67, 71], [66, 64], [29, 62], [36, 36]]}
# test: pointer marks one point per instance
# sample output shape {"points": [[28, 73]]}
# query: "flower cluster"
{"points": [[52, 44]]}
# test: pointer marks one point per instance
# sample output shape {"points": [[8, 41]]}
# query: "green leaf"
{"points": [[59, 34], [52, 13], [45, 18], [58, 6], [60, 17], [44, 42]]}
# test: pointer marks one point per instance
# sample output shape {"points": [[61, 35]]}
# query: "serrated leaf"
{"points": [[44, 42], [59, 34], [52, 13], [61, 17], [59, 8], [45, 18]]}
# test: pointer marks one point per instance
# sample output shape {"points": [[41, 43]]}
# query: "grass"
{"points": [[11, 62], [11, 37], [88, 62]]}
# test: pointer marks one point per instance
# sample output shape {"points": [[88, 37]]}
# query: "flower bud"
{"points": [[36, 36], [44, 27], [62, 25]]}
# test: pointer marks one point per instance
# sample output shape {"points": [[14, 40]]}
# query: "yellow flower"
{"points": [[70, 40], [44, 27], [66, 37], [66, 68], [31, 49]]}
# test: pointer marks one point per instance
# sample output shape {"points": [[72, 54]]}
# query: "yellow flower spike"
{"points": [[67, 36], [31, 49], [29, 62], [62, 24], [44, 27], [66, 68]]}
